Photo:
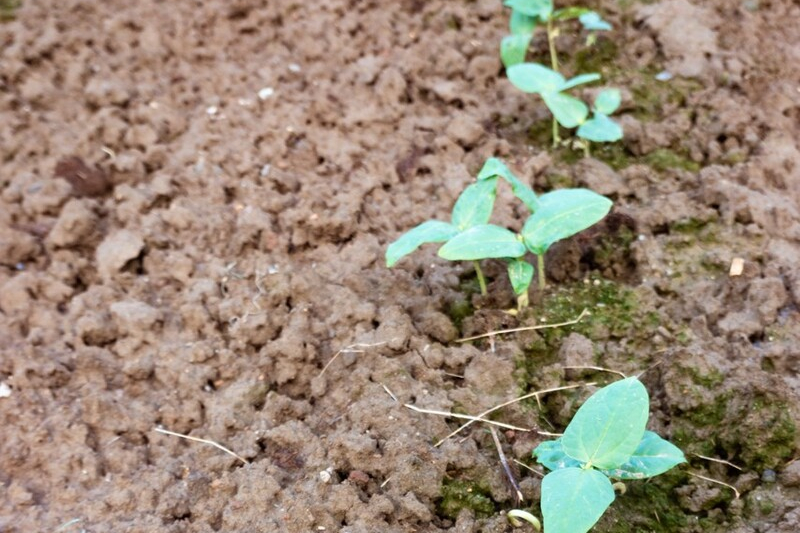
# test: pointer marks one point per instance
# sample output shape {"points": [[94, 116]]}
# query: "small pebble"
{"points": [[294, 67], [265, 93], [664, 75], [212, 110], [769, 476], [5, 390]]}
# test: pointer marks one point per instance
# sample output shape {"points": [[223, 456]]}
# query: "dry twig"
{"points": [[715, 460], [583, 314], [204, 441], [505, 404], [353, 348], [598, 368], [506, 467], [712, 480], [465, 417]]}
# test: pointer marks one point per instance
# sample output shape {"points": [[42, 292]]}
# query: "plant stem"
{"points": [[587, 152], [556, 137], [540, 271], [551, 44], [481, 279], [522, 301]]}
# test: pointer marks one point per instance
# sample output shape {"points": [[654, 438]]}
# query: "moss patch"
{"points": [[663, 159], [8, 9], [650, 506], [460, 494], [600, 57], [615, 313]]}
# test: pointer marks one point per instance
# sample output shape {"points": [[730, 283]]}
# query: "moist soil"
{"points": [[195, 200]]}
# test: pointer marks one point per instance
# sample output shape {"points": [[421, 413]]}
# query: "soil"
{"points": [[195, 200]]}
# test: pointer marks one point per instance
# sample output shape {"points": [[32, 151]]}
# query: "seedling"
{"points": [[606, 440], [549, 83], [469, 236]]}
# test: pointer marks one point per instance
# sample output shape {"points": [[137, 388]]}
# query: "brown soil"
{"points": [[195, 199]]}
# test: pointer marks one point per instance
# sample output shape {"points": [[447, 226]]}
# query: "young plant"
{"points": [[549, 83], [469, 236], [605, 440]]}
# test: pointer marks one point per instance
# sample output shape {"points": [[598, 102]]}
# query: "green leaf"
{"points": [[475, 204], [652, 457], [520, 272], [562, 214], [534, 78], [532, 8], [513, 49], [569, 13], [574, 499], [430, 231], [482, 242], [494, 167], [607, 101], [608, 427], [569, 111], [521, 24], [593, 22], [600, 129], [550, 453], [579, 80]]}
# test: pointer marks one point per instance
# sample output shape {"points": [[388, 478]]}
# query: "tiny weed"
{"points": [[469, 236], [549, 83], [605, 440]]}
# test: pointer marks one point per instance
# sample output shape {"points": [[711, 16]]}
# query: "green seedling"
{"points": [[606, 440], [549, 83], [469, 236]]}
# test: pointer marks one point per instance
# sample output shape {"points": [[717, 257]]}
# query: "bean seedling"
{"points": [[605, 440], [549, 83], [469, 236]]}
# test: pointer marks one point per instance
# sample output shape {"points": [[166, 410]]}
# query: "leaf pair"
{"points": [[569, 111], [468, 235], [600, 128], [606, 439]]}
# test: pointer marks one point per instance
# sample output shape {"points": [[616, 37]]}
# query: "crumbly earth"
{"points": [[195, 199]]}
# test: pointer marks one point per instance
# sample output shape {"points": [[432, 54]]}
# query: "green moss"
{"points": [[647, 506], [8, 9], [650, 95], [614, 247], [600, 57], [755, 432], [559, 181], [613, 309], [458, 310], [663, 159], [773, 438], [614, 155], [615, 313], [459, 494]]}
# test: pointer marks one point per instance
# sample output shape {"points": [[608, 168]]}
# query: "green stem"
{"points": [[551, 36], [556, 136], [481, 279], [551, 43], [587, 152], [540, 271]]}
